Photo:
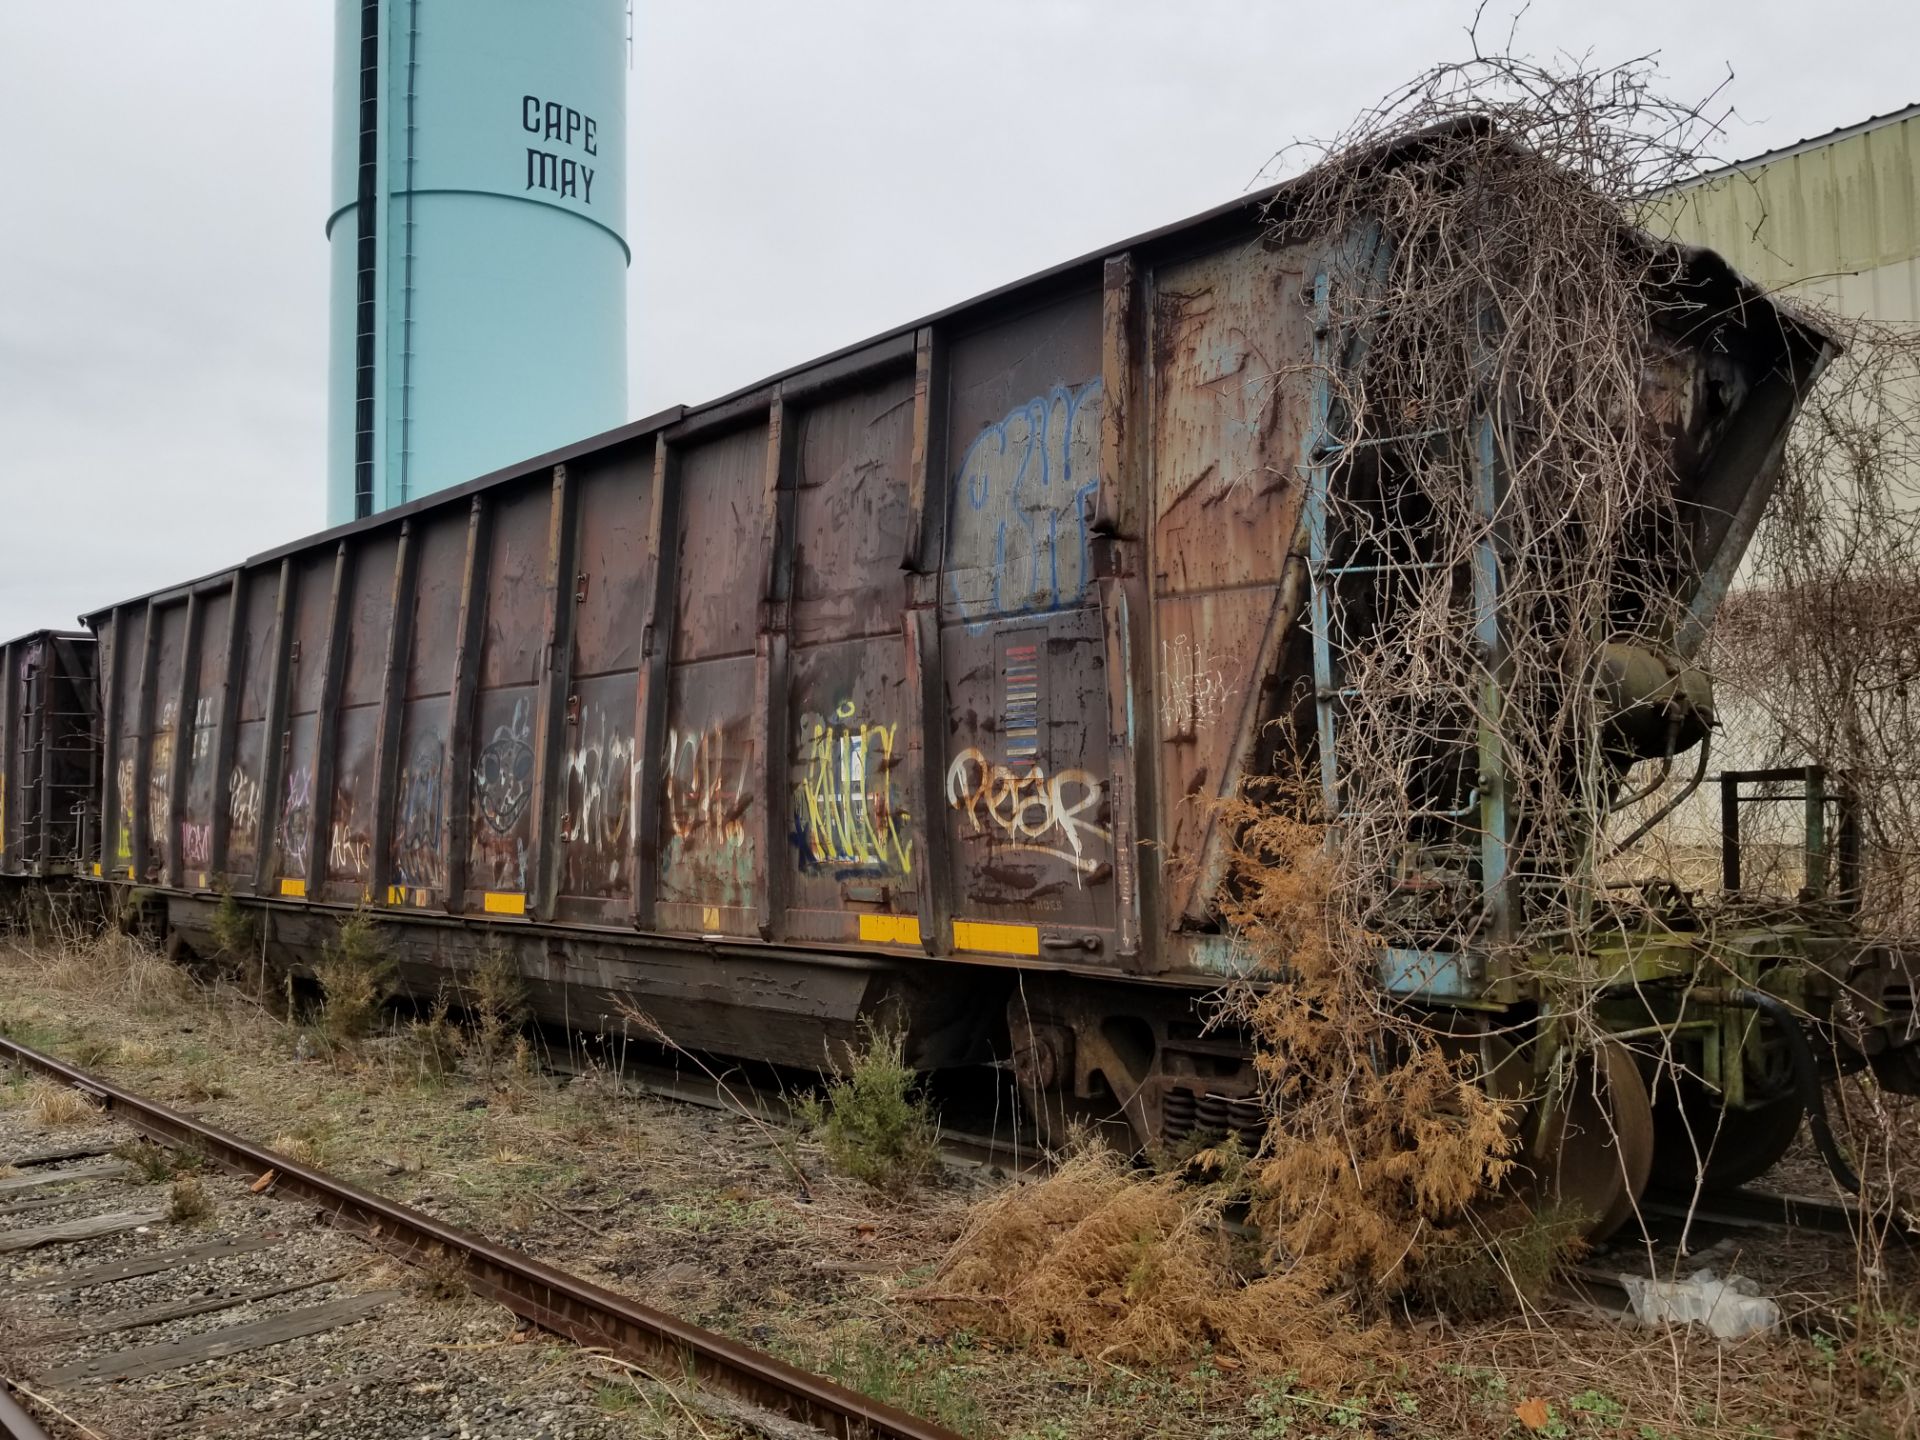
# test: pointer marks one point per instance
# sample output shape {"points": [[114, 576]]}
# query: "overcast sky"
{"points": [[804, 175]]}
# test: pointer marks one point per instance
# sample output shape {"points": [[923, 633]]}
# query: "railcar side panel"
{"points": [[417, 862], [346, 872], [852, 802], [1025, 779], [713, 816], [130, 629], [498, 787], [1229, 342], [601, 764], [315, 592], [163, 750], [243, 791], [195, 828]]}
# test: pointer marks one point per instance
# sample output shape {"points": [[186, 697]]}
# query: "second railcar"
{"points": [[48, 784]]}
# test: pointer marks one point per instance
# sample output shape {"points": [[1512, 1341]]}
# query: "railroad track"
{"points": [[1747, 1209], [656, 1343]]}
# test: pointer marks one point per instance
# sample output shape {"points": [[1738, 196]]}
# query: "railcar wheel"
{"points": [[1592, 1151], [1696, 1138]]}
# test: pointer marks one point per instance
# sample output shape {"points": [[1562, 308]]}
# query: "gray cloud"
{"points": [[804, 176]]}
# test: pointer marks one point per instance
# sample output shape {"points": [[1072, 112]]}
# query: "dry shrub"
{"points": [[152, 1163], [52, 1104], [1124, 1266], [495, 1000], [357, 973], [235, 933], [138, 1054], [189, 1203], [1380, 1139]]}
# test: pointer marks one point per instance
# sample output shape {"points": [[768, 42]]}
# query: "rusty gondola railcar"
{"points": [[905, 679], [48, 785]]}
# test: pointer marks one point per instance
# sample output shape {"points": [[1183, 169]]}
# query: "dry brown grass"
{"points": [[1121, 1266], [300, 1149], [189, 1203], [1380, 1141], [51, 1105]]}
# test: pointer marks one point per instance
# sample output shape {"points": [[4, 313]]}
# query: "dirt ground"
{"points": [[702, 1213]]}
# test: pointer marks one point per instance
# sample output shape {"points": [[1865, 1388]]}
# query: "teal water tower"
{"points": [[477, 238]]}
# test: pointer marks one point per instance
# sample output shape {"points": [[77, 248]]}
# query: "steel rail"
{"points": [[1748, 1209], [15, 1423], [663, 1344]]}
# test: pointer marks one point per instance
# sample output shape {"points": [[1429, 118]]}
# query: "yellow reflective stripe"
{"points": [[996, 939], [890, 929], [293, 889], [502, 904]]}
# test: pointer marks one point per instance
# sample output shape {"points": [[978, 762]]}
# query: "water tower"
{"points": [[477, 238]]}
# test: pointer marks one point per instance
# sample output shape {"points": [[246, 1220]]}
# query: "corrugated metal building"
{"points": [[1836, 217]]}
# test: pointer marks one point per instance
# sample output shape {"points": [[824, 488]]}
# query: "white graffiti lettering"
{"points": [[1029, 810], [1194, 688], [603, 792]]}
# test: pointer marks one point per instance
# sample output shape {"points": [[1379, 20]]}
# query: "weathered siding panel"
{"points": [[1025, 782], [711, 805], [852, 801], [1228, 338]]}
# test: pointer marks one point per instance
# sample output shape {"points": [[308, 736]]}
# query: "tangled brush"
{"points": [[1138, 1269], [1380, 1138]]}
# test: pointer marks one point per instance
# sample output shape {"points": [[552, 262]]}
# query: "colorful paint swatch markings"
{"points": [[1021, 722]]}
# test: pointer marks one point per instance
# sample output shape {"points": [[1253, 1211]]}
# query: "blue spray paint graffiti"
{"points": [[1020, 503]]}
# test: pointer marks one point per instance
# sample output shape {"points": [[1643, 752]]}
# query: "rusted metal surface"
{"points": [[852, 800], [552, 1299], [48, 754], [15, 1423], [1229, 339], [947, 645]]}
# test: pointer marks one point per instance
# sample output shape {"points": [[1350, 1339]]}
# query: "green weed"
{"points": [[873, 1121], [357, 974]]}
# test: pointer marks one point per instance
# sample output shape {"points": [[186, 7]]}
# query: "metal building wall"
{"points": [[1836, 218], [477, 239]]}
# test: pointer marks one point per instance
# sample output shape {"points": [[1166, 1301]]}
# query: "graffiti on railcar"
{"points": [[243, 816], [1195, 686], [243, 804], [160, 781], [502, 790], [1022, 493], [1020, 808], [708, 851], [196, 844], [417, 813], [603, 796], [503, 773], [845, 816], [204, 719], [349, 846], [123, 792], [296, 819]]}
